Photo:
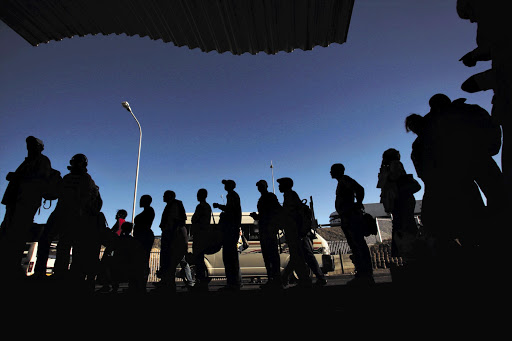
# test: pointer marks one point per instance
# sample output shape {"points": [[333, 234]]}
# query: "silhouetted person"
{"points": [[200, 228], [397, 196], [77, 214], [480, 151], [230, 221], [349, 205], [453, 212], [306, 243], [174, 242], [142, 229], [415, 123], [22, 199], [269, 210], [50, 234], [120, 219], [129, 262], [494, 38], [293, 225], [105, 275]]}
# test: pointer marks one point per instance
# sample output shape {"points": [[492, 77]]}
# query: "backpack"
{"points": [[307, 218], [51, 186], [369, 225]]}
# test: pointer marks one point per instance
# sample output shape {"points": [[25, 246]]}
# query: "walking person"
{"points": [[142, 229], [349, 205], [200, 228], [120, 219], [105, 271], [78, 217], [269, 210], [22, 199], [292, 221], [174, 242], [397, 196], [453, 210], [230, 221], [493, 41], [129, 262]]}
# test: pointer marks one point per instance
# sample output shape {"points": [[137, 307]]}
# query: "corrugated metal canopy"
{"points": [[238, 26]]}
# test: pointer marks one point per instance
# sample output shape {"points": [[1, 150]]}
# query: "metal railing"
{"points": [[336, 247], [339, 247]]}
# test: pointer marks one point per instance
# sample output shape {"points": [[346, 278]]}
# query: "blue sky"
{"points": [[209, 116]]}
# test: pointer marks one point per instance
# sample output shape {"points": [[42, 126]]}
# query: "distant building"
{"points": [[384, 223]]}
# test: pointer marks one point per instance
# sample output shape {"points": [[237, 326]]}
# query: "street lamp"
{"points": [[127, 107]]}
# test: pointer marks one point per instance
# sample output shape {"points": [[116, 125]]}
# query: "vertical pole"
{"points": [[272, 168], [137, 172], [379, 236], [127, 106]]}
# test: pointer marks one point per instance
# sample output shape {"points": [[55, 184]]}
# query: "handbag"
{"points": [[369, 224], [408, 185]]}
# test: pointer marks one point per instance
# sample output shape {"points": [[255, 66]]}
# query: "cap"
{"points": [[230, 182], [32, 139], [285, 181]]}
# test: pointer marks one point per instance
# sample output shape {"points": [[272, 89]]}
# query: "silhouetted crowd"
{"points": [[452, 155]]}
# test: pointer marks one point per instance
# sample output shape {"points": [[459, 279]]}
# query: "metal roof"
{"points": [[238, 26]]}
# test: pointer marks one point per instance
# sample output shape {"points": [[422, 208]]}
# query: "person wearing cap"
{"points": [[292, 224], [174, 241], [77, 219], [230, 221], [351, 215], [22, 199], [268, 213]]}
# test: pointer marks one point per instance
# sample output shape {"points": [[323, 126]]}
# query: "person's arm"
{"points": [[359, 192]]}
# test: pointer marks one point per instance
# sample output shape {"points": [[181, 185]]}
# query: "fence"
{"points": [[339, 247], [380, 253], [380, 256]]}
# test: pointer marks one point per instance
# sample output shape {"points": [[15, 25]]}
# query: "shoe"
{"points": [[104, 289], [361, 281], [230, 288], [200, 287], [320, 282]]}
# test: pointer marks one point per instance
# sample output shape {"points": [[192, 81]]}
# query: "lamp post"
{"points": [[127, 107]]}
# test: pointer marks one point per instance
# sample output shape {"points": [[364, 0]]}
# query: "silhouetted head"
{"points": [[78, 163], [121, 214], [337, 170], [262, 186], [126, 228], [466, 10], [439, 102], [285, 184], [390, 155], [202, 194], [145, 200], [169, 196], [414, 123], [229, 185], [34, 145]]}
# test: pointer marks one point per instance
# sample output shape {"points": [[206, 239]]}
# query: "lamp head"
{"points": [[127, 106]]}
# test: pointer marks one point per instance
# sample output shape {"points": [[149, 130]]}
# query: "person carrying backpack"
{"points": [[22, 199]]}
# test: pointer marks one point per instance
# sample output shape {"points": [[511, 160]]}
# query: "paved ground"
{"points": [[331, 310]]}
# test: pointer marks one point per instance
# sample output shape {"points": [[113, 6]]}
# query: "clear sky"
{"points": [[209, 116]]}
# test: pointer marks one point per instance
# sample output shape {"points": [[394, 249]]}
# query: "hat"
{"points": [[285, 182], [35, 140], [231, 182], [262, 182]]}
